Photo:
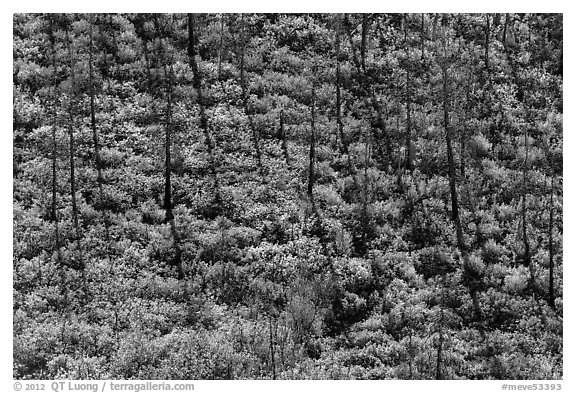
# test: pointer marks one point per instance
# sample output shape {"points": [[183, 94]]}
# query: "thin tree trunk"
{"points": [[220, 47], [312, 153], [400, 160], [355, 59], [168, 77], [410, 357], [272, 354], [93, 114], [379, 123], [282, 133], [463, 134], [245, 95], [382, 135], [97, 158], [365, 219], [504, 32], [450, 153], [422, 37], [168, 162], [525, 241], [197, 84], [487, 44], [435, 26], [439, 350], [78, 236], [408, 101], [148, 72], [550, 246], [177, 261], [54, 210], [343, 143], [365, 27], [472, 279], [157, 61], [95, 138], [114, 41], [168, 206]]}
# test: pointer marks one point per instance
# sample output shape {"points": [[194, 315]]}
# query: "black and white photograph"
{"points": [[287, 196]]}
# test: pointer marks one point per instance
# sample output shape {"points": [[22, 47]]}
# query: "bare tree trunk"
{"points": [[381, 134], [487, 44], [54, 210], [197, 83], [422, 37], [93, 115], [272, 350], [451, 165], [282, 135], [471, 275], [148, 72], [95, 139], [167, 146], [435, 26], [168, 77], [462, 132], [114, 41], [312, 153], [343, 143], [408, 163], [504, 32], [168, 207], [440, 348], [365, 218], [220, 47], [245, 96], [365, 27], [527, 252], [80, 264], [550, 246], [355, 59], [157, 61]]}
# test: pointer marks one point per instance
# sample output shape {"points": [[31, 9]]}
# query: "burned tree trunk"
{"points": [[79, 264], [343, 143], [245, 96], [197, 84]]}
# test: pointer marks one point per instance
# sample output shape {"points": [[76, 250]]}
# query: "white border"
{"points": [[9, 8]]}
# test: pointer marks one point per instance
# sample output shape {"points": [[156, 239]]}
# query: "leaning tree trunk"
{"points": [[471, 277]]}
